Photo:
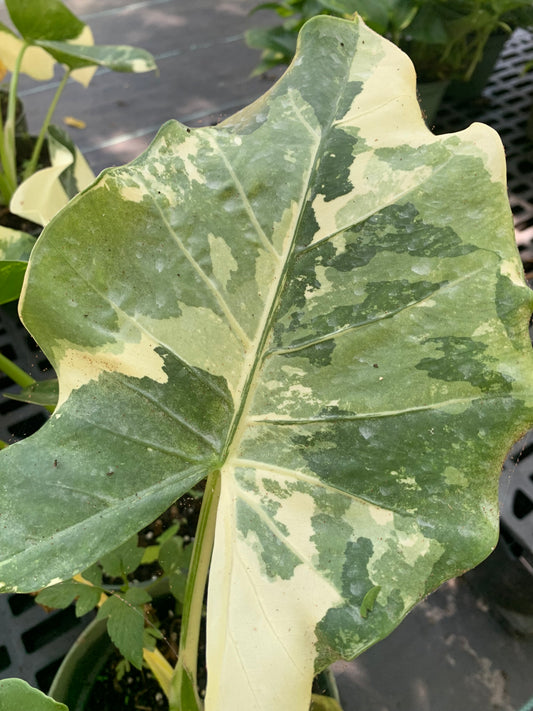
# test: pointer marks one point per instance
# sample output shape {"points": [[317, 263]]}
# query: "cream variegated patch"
{"points": [[203, 339], [36, 63], [400, 116], [222, 260], [134, 193], [284, 229], [513, 270], [479, 141], [77, 367], [85, 74]]}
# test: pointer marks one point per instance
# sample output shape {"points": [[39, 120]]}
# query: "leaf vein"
{"points": [[230, 316], [197, 371], [271, 419], [376, 319], [244, 199]]}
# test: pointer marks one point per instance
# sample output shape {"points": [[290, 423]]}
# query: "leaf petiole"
{"points": [[184, 687], [17, 375], [8, 153], [32, 164]]}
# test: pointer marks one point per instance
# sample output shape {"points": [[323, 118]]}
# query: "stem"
{"points": [[5, 192], [17, 375], [4, 183], [185, 674], [9, 155], [32, 165]]}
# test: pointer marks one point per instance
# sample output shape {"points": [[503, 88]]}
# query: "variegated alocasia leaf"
{"points": [[323, 302]]}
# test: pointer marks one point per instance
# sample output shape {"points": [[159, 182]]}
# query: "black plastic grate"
{"points": [[516, 500], [19, 420], [33, 642]]}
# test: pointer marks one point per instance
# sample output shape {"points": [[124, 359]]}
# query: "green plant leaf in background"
{"points": [[43, 194], [323, 302], [125, 622], [44, 393], [118, 58], [62, 595], [44, 20], [15, 250], [123, 560], [18, 694]]}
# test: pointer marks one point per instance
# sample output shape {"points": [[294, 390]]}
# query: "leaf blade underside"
{"points": [[308, 336]]}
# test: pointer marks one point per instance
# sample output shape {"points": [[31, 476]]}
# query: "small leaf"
{"points": [[119, 58], [150, 555], [276, 39], [59, 596], [125, 623], [168, 533], [18, 695], [123, 560], [123, 667], [174, 555], [151, 634], [44, 19], [42, 195], [88, 599], [64, 594]]}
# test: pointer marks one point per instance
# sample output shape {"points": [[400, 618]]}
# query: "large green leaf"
{"points": [[317, 298]]}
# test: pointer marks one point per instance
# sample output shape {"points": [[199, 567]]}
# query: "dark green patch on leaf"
{"points": [[268, 541], [333, 178], [398, 229], [465, 359]]}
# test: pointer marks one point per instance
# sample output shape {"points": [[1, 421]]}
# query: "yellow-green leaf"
{"points": [[43, 194]]}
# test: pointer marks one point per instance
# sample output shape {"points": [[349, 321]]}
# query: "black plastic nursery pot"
{"points": [[80, 668]]}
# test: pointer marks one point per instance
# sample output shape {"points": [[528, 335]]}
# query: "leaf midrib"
{"points": [[239, 421]]}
